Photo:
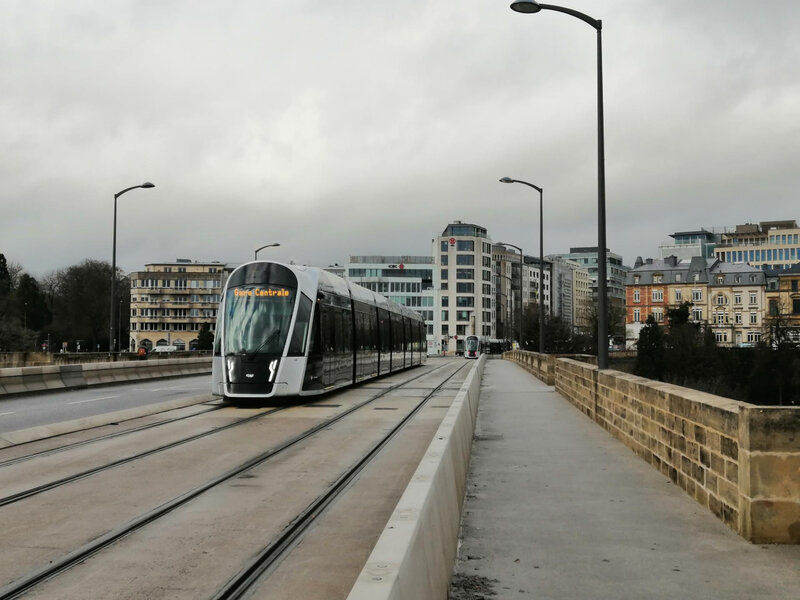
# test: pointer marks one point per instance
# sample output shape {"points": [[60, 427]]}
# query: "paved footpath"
{"points": [[556, 508]]}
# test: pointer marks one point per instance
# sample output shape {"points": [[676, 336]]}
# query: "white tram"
{"points": [[292, 330], [472, 346]]}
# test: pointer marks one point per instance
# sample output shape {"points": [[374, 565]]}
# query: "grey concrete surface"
{"points": [[558, 509]]}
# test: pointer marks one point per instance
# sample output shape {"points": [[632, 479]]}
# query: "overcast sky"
{"points": [[362, 127]]}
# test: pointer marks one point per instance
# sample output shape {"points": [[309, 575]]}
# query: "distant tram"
{"points": [[472, 347], [285, 330]]}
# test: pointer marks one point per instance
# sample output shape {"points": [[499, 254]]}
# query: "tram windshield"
{"points": [[257, 319], [472, 343]]}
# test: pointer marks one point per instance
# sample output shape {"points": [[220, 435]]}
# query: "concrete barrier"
{"points": [[21, 380], [414, 556]]}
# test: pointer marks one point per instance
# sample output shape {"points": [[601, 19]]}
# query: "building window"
{"points": [[697, 314], [697, 295], [445, 329], [738, 318], [677, 276], [678, 295], [463, 315], [721, 336], [465, 273], [445, 315], [737, 298], [465, 259], [753, 298], [636, 296], [461, 330], [443, 259], [658, 278], [443, 246], [753, 336], [445, 300], [753, 318], [721, 300], [465, 288], [637, 318], [658, 295], [636, 279], [465, 246], [796, 306], [443, 274], [465, 301]]}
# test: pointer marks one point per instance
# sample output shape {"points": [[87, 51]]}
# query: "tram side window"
{"points": [[297, 347]]}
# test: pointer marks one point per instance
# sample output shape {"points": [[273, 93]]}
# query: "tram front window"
{"points": [[257, 319], [472, 344]]}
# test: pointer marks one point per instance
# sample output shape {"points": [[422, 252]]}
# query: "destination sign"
{"points": [[261, 293]]}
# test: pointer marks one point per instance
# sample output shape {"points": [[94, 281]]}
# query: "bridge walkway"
{"points": [[556, 508]]}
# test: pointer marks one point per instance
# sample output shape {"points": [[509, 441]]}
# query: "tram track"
{"points": [[35, 490], [102, 438], [241, 584], [32, 579]]}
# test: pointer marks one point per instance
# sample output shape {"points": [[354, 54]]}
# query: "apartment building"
{"points": [[729, 299], [783, 304], [407, 280], [463, 276], [171, 302]]}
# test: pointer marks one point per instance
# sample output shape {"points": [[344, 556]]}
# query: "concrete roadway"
{"points": [[557, 508], [31, 410]]}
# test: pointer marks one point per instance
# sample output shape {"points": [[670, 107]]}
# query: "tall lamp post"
{"points": [[531, 6], [541, 257], [255, 254], [521, 304], [111, 339]]}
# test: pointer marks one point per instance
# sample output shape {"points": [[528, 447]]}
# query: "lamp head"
{"points": [[147, 184], [506, 180], [526, 6]]}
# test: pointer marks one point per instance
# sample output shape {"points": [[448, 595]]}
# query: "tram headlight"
{"points": [[273, 365]]}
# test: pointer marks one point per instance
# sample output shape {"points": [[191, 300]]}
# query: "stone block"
{"points": [[774, 476], [771, 522], [771, 429]]}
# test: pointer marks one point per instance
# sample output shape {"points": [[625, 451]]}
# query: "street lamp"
{"points": [[541, 257], [531, 6], [255, 254], [521, 266], [111, 339]]}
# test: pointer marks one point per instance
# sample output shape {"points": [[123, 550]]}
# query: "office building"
{"points": [[407, 280]]}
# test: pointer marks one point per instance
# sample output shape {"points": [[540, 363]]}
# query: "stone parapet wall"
{"points": [[740, 461], [543, 366]]}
